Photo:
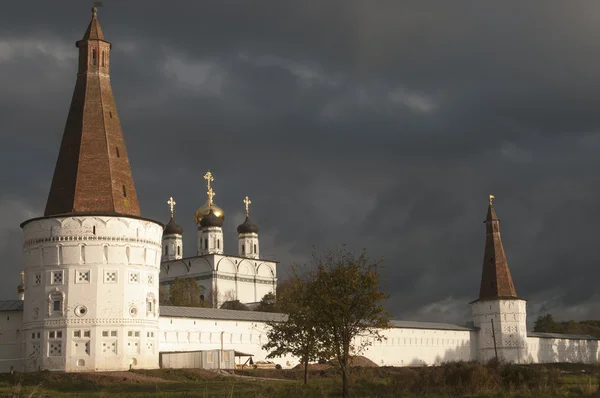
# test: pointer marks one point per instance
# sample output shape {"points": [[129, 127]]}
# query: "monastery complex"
{"points": [[93, 266]]}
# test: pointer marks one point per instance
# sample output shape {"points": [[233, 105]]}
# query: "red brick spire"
{"points": [[92, 173], [496, 281]]}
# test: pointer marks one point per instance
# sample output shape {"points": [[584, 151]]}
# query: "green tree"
{"points": [[545, 324], [185, 292], [297, 333], [268, 303], [348, 303]]}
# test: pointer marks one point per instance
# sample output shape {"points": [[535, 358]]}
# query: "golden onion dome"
{"points": [[205, 209]]}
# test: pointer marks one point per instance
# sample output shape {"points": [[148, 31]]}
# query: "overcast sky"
{"points": [[378, 124]]}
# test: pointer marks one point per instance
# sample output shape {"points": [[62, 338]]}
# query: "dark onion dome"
{"points": [[211, 220], [247, 227], [172, 228]]}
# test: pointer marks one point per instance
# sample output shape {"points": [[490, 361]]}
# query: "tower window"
{"points": [[103, 57], [218, 243], [166, 250], [124, 191], [110, 114], [206, 243], [243, 249], [94, 230], [94, 56], [254, 249], [178, 250], [117, 150]]}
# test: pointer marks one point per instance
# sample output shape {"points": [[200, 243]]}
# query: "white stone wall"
{"points": [[210, 241], [510, 330], [248, 245], [235, 278], [548, 350], [91, 293], [172, 247], [402, 347], [11, 341]]}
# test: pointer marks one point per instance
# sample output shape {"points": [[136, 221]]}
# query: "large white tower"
{"points": [[248, 235], [172, 237], [499, 312], [91, 262]]}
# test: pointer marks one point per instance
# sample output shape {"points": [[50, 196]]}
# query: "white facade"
{"points": [[172, 247], [210, 240], [503, 329], [232, 278], [248, 245], [91, 293]]}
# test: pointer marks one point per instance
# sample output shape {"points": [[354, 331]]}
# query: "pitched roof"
{"points": [[94, 31], [562, 336], [234, 315], [92, 173], [11, 305], [496, 281]]}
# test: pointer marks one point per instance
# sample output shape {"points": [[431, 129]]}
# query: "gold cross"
{"points": [[209, 178], [491, 199], [247, 203], [172, 204], [210, 194], [23, 277]]}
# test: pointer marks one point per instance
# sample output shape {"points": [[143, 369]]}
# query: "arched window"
{"points": [[103, 57], [206, 243], [218, 243], [166, 250], [56, 302], [179, 250], [93, 56], [150, 304], [243, 249], [255, 249]]}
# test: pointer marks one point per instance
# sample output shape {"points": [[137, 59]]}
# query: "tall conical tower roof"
{"points": [[496, 281], [92, 174]]}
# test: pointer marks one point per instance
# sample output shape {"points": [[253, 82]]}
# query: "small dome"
{"points": [[247, 227], [205, 209], [172, 228], [211, 220]]}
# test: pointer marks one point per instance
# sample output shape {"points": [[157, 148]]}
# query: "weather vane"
{"points": [[172, 204], [95, 7], [247, 204], [491, 199]]}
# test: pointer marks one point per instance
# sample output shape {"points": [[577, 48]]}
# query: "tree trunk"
{"points": [[306, 371], [345, 392]]}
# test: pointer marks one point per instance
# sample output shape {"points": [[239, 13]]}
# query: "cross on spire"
{"points": [[209, 178], [491, 199], [211, 194], [247, 202], [172, 204]]}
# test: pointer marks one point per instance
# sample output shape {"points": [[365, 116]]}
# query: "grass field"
{"points": [[451, 380]]}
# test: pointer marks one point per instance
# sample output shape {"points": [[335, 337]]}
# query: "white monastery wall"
{"points": [[402, 346], [91, 293], [548, 350], [509, 334], [11, 341], [235, 278]]}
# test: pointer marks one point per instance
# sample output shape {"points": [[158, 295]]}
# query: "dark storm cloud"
{"points": [[381, 126]]}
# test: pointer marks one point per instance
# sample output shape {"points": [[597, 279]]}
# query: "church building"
{"points": [[93, 265]]}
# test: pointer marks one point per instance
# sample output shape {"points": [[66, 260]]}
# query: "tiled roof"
{"points": [[562, 336], [496, 281], [233, 315], [92, 173], [213, 313], [11, 305], [428, 325]]}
